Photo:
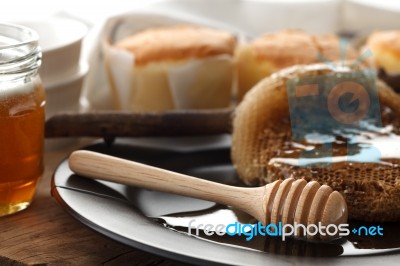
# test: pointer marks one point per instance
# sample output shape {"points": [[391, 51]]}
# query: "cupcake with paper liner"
{"points": [[385, 48], [174, 67], [274, 51]]}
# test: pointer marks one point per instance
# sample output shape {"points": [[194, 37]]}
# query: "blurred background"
{"points": [[250, 17], [356, 14]]}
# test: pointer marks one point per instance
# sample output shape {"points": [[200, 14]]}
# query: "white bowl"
{"points": [[63, 95], [60, 40]]}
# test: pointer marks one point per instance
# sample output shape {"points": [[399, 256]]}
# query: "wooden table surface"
{"points": [[44, 234]]}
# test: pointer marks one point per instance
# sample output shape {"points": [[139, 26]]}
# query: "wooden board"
{"points": [[127, 124]]}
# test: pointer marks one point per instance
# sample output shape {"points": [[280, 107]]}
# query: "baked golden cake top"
{"points": [[385, 46], [291, 47], [177, 43], [285, 48], [330, 47]]}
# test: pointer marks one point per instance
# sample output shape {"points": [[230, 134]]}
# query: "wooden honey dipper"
{"points": [[289, 201]]}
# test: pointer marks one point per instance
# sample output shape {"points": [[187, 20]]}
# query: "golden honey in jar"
{"points": [[22, 117]]}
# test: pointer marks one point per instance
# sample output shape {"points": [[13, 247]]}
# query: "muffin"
{"points": [[274, 51], [385, 47], [176, 67], [264, 146]]}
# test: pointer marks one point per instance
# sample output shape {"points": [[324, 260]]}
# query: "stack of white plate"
{"points": [[62, 70]]}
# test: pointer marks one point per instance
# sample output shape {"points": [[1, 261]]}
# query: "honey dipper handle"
{"points": [[99, 166]]}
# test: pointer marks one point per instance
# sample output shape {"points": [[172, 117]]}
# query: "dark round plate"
{"points": [[153, 221]]}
